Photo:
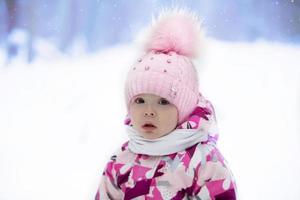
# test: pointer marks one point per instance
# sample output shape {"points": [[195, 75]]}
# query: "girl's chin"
{"points": [[150, 135]]}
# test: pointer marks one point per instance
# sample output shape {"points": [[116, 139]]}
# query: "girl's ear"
{"points": [[129, 111], [129, 106]]}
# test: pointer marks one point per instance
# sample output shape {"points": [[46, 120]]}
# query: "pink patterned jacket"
{"points": [[198, 172]]}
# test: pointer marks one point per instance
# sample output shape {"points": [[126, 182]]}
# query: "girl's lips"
{"points": [[148, 127]]}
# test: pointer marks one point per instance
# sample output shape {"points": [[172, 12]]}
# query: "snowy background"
{"points": [[62, 107]]}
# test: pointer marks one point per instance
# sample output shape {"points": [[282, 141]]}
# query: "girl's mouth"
{"points": [[148, 127]]}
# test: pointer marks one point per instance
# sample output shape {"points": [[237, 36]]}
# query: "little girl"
{"points": [[172, 130]]}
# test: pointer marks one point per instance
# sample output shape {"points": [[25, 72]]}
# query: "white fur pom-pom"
{"points": [[175, 30]]}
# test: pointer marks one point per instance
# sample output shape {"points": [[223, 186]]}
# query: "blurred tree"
{"points": [[32, 26], [73, 22], [11, 21]]}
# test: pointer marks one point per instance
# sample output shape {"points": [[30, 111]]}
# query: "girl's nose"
{"points": [[149, 114]]}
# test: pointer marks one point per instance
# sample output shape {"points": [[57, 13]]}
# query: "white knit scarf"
{"points": [[177, 140]]}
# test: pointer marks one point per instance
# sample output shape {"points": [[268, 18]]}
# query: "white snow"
{"points": [[61, 119]]}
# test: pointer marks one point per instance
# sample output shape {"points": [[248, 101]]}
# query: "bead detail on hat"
{"points": [[139, 60], [173, 92], [169, 61], [165, 70], [147, 68]]}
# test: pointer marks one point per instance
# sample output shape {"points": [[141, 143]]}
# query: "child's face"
{"points": [[152, 116]]}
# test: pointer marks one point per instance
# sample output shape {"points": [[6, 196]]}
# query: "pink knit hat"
{"points": [[166, 68]]}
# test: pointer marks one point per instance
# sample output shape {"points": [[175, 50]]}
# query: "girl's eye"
{"points": [[139, 100], [164, 102]]}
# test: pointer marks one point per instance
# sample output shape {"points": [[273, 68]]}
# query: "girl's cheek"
{"points": [[134, 110]]}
